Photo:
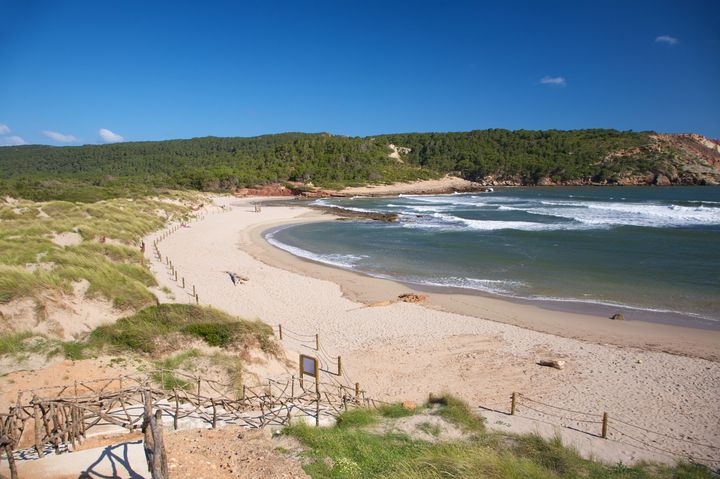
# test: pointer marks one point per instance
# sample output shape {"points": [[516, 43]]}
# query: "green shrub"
{"points": [[214, 334], [141, 331]]}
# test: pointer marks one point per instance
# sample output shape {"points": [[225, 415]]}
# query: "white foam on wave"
{"points": [[340, 260], [569, 214], [494, 286], [629, 214], [322, 202], [456, 223], [554, 299]]}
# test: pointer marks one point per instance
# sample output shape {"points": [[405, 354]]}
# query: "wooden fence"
{"points": [[58, 418]]}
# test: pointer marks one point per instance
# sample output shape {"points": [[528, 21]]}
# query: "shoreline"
{"points": [[567, 305], [399, 351], [565, 322]]}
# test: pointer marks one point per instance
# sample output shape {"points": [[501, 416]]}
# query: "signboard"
{"points": [[309, 366]]}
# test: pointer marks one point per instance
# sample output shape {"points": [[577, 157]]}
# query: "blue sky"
{"points": [[94, 72]]}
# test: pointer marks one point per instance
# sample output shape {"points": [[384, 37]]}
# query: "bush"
{"points": [[141, 331]]}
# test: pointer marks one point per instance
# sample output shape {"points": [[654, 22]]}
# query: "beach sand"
{"points": [[471, 346]]}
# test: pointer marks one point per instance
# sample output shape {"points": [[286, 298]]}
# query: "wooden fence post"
{"points": [[11, 462], [317, 411], [357, 390], [339, 366], [280, 330], [154, 447], [160, 445], [177, 410], [38, 416], [512, 403], [214, 419], [317, 342], [604, 425]]}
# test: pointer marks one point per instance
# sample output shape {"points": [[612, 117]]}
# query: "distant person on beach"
{"points": [[236, 278]]}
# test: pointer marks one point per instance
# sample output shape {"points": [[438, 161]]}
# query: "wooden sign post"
{"points": [[310, 366]]}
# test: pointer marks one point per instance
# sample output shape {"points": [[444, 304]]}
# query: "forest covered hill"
{"points": [[519, 157]]}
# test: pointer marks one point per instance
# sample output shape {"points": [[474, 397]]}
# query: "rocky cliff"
{"points": [[667, 159]]}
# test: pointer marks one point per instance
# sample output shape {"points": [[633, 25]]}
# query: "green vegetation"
{"points": [[21, 344], [34, 263], [144, 331], [166, 376], [94, 172], [457, 412], [15, 343], [154, 335], [523, 156], [355, 448]]}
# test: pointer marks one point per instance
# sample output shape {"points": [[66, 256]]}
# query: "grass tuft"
{"points": [[357, 418], [458, 412], [395, 411], [14, 343]]}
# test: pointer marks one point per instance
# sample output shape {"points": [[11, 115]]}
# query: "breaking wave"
{"points": [[457, 212]]}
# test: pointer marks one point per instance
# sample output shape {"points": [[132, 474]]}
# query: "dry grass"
{"points": [[30, 262]]}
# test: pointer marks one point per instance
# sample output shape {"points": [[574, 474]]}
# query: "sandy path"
{"points": [[404, 351]]}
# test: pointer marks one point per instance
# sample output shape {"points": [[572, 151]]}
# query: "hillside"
{"points": [[504, 157]]}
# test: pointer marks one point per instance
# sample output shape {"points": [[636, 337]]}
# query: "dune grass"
{"points": [[33, 266], [14, 343], [353, 449], [166, 377], [23, 343], [142, 331]]}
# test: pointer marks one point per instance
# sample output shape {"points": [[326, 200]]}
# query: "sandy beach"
{"points": [[481, 349]]}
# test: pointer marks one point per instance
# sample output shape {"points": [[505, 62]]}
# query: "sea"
{"points": [[652, 253]]}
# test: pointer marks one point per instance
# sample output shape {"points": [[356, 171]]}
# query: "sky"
{"points": [[77, 72]]}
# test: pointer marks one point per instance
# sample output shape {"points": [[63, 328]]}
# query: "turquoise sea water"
{"points": [[655, 251]]}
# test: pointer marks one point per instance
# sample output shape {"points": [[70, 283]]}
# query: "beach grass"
{"points": [[143, 331], [46, 248], [354, 448], [14, 343], [166, 375], [24, 343]]}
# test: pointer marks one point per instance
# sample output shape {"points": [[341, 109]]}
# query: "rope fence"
{"points": [[609, 426]]}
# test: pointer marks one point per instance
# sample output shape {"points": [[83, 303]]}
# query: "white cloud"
{"points": [[54, 135], [557, 81], [666, 39], [4, 129], [109, 137], [11, 140]]}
